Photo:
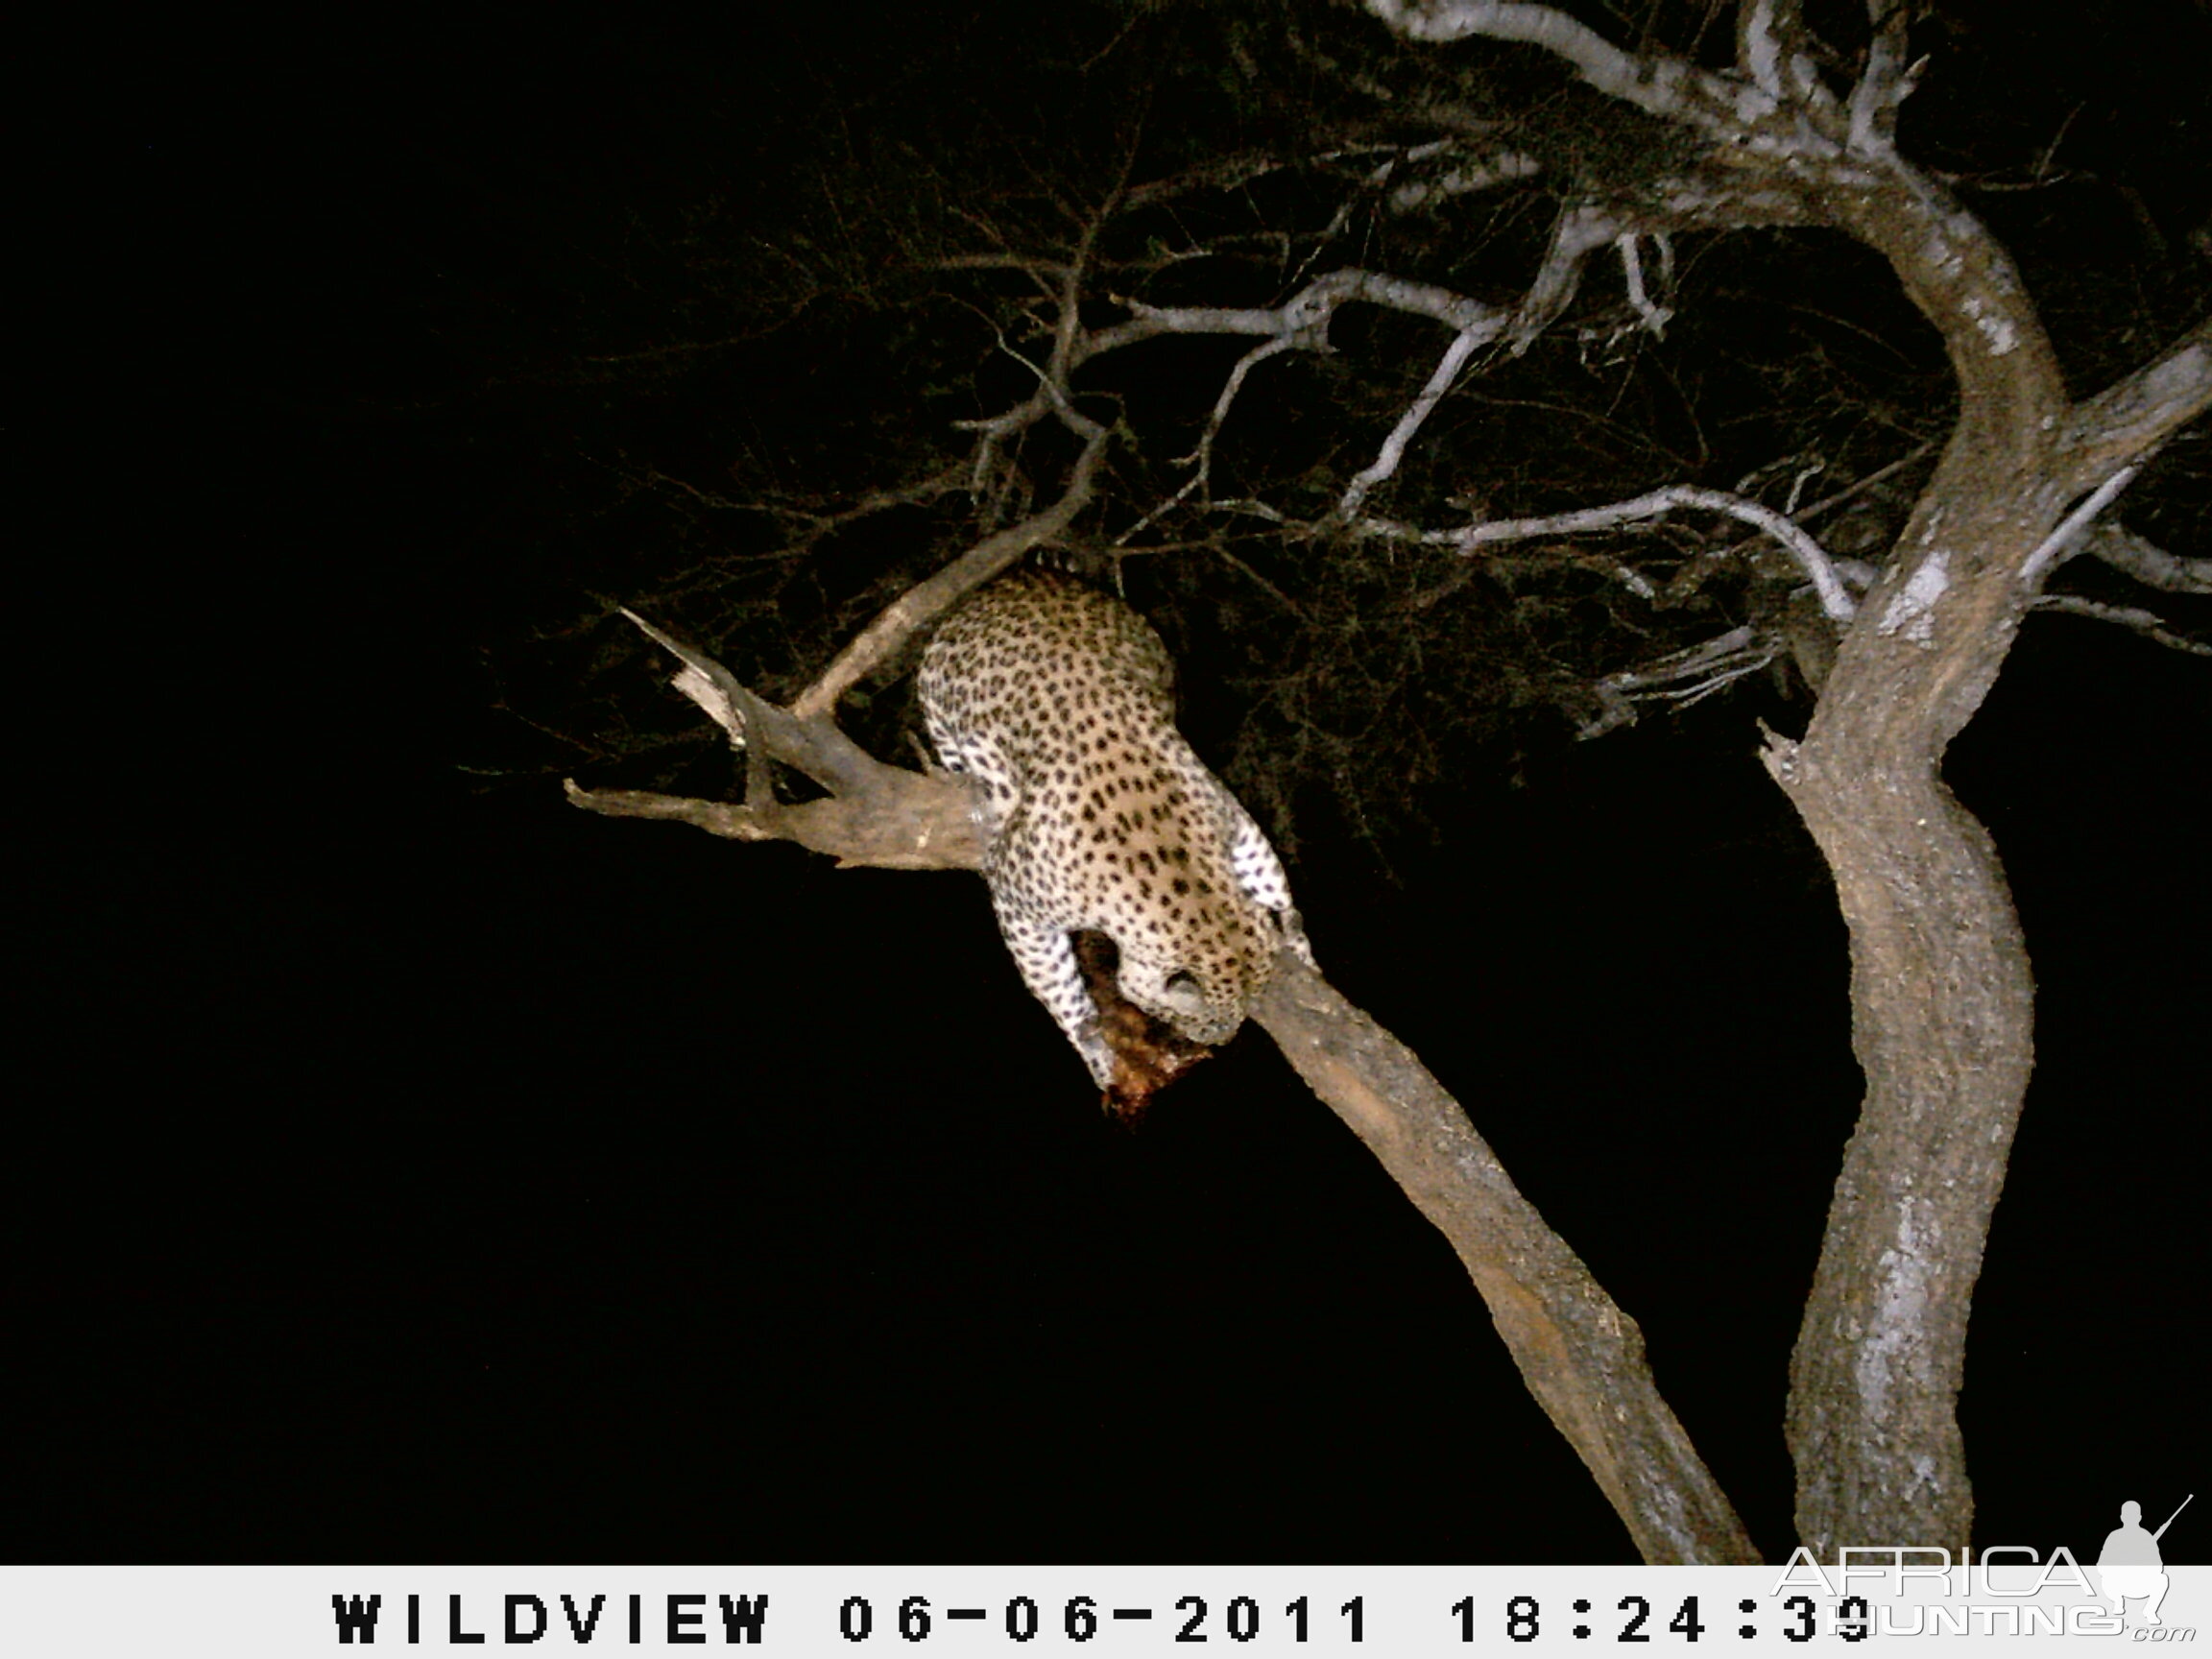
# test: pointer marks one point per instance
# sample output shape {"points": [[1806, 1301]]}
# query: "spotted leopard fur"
{"points": [[1059, 701]]}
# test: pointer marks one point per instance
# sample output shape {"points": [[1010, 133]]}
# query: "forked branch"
{"points": [[1580, 1356]]}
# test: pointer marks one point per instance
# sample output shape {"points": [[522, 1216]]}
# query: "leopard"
{"points": [[1057, 700]]}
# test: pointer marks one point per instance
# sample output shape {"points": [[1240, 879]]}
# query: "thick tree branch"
{"points": [[875, 814], [910, 821], [2123, 423], [1581, 1355], [1653, 85]]}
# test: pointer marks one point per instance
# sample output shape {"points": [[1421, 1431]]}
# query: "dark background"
{"points": [[411, 1167]]}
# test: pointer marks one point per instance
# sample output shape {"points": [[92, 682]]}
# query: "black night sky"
{"points": [[413, 1167]]}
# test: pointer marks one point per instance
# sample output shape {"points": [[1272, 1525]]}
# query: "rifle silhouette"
{"points": [[2161, 1533]]}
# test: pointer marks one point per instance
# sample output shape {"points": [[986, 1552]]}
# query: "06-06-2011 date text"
{"points": [[1519, 1619]]}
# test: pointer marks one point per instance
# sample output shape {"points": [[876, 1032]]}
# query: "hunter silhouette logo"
{"points": [[2129, 1565]]}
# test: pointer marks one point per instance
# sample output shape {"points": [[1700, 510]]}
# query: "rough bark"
{"points": [[873, 814], [1581, 1355], [912, 823], [1942, 997]]}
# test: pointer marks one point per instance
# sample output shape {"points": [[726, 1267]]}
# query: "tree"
{"points": [[1899, 643]]}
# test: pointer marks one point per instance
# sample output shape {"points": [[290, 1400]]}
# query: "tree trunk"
{"points": [[1942, 1015], [1943, 1002], [1942, 1007], [1942, 999]]}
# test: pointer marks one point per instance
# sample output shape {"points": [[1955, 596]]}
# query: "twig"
{"points": [[1393, 450], [2144, 622]]}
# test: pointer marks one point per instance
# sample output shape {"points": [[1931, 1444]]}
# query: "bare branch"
{"points": [[1884, 83], [1835, 598], [1701, 199], [1224, 173], [1393, 450], [1201, 459], [1857, 574], [1048, 274], [1779, 55], [1203, 455], [913, 822], [924, 602], [1301, 323], [1480, 173], [815, 747], [1304, 317], [1653, 84], [1758, 47], [1682, 678], [1579, 232], [2144, 622], [1881, 474], [1542, 558], [704, 680], [1655, 317], [725, 818], [2060, 542], [2149, 564], [804, 524], [875, 814]]}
